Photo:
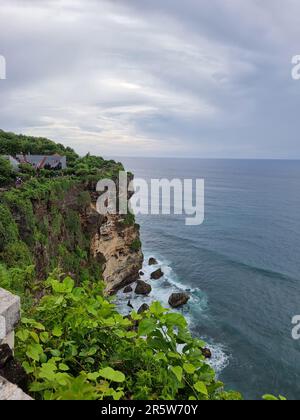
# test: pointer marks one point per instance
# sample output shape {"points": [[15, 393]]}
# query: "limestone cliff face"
{"points": [[114, 243]]}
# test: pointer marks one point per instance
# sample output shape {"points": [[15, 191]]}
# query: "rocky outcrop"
{"points": [[178, 299], [143, 288], [152, 261], [207, 353], [128, 289], [143, 308], [111, 245], [156, 275]]}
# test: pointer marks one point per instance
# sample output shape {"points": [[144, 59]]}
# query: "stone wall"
{"points": [[9, 317]]}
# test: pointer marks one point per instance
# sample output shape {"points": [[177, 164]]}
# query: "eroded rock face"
{"points": [[143, 288], [178, 299], [112, 244]]}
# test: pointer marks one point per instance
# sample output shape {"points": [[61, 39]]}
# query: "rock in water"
{"points": [[156, 275], [128, 289], [207, 353], [152, 261], [143, 308], [142, 273], [178, 299], [129, 304], [142, 288]]}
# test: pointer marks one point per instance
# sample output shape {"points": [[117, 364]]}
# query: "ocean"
{"points": [[241, 266]]}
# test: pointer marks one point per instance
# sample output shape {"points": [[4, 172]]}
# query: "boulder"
{"points": [[128, 289], [152, 261], [143, 308], [142, 288], [142, 273], [156, 275], [207, 353], [178, 299]]}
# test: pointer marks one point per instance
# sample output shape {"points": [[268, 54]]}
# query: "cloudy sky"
{"points": [[194, 78]]}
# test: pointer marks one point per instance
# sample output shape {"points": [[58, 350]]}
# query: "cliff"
{"points": [[48, 222], [67, 232]]}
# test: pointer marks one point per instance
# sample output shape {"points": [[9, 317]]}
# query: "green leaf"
{"points": [[157, 309], [29, 369], [269, 397], [35, 336], [55, 353], [22, 335], [57, 331], [177, 370], [63, 367], [44, 336], [147, 326], [93, 376], [201, 388], [34, 352], [175, 320], [189, 368], [112, 375]]}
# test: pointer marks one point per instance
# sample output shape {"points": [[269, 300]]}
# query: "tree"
{"points": [[6, 172]]}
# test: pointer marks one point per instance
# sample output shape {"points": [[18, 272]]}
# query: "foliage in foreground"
{"points": [[75, 345]]}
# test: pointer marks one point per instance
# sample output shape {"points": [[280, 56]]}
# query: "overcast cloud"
{"points": [[154, 77]]}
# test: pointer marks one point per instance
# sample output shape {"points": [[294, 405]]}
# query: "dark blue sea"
{"points": [[242, 266]]}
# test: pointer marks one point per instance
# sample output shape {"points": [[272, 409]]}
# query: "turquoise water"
{"points": [[242, 266]]}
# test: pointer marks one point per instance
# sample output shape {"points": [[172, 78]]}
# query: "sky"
{"points": [[159, 78]]}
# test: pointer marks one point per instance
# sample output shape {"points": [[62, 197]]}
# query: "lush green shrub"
{"points": [[17, 254], [75, 345], [6, 172], [136, 245]]}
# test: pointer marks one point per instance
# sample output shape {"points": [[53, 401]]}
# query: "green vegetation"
{"points": [[75, 345], [6, 172], [136, 245], [13, 144], [72, 341]]}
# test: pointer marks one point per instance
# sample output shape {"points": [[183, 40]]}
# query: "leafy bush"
{"points": [[75, 345]]}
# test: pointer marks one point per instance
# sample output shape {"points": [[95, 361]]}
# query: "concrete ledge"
{"points": [[10, 306], [11, 392]]}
